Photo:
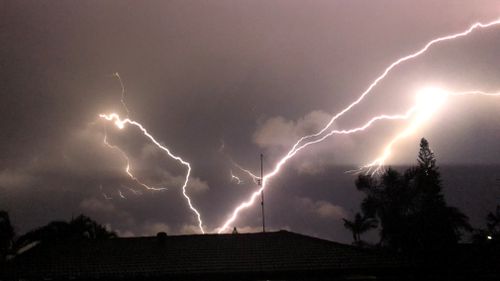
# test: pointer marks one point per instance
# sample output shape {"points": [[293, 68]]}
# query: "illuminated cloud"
{"points": [[15, 178], [213, 82], [321, 208], [189, 229], [278, 132], [95, 205], [152, 228]]}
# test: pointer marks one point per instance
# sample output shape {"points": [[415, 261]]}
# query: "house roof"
{"points": [[279, 253]]}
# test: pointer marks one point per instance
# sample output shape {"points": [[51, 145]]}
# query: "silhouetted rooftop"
{"points": [[268, 255]]}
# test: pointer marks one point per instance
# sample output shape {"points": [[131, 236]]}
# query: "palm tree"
{"points": [[360, 225]]}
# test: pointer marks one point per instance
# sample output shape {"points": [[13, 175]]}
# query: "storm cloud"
{"points": [[251, 75]]}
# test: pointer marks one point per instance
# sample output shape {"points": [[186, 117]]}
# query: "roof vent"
{"points": [[162, 236]]}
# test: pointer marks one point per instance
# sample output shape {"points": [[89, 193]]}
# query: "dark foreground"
{"points": [[278, 255]]}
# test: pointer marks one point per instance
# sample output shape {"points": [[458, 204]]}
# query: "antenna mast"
{"points": [[262, 193]]}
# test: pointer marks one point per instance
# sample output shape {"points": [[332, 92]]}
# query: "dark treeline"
{"points": [[410, 210], [79, 228]]}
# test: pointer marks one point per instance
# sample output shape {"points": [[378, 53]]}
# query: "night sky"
{"points": [[218, 83]]}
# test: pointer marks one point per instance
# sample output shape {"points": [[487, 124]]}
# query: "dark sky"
{"points": [[222, 81]]}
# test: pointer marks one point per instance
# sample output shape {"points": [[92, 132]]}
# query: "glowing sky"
{"points": [[223, 81]]}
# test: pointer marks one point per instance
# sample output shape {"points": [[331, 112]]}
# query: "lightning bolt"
{"points": [[431, 100], [237, 179], [127, 167], [305, 141], [255, 178], [123, 154], [120, 124], [122, 100], [389, 69], [121, 194], [278, 166]]}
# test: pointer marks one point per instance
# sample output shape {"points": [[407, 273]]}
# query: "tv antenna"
{"points": [[262, 192]]}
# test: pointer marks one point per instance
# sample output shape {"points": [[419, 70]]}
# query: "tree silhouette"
{"points": [[6, 234], [411, 208], [79, 228], [493, 221], [85, 227], [426, 159], [491, 234], [360, 225]]}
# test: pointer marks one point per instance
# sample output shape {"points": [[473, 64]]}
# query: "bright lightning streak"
{"points": [[248, 172], [277, 168], [124, 155], [389, 69], [475, 93], [429, 101], [237, 179], [121, 194], [127, 167], [120, 123], [299, 145], [122, 100]]}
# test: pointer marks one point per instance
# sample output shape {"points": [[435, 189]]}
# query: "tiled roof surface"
{"points": [[194, 255]]}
